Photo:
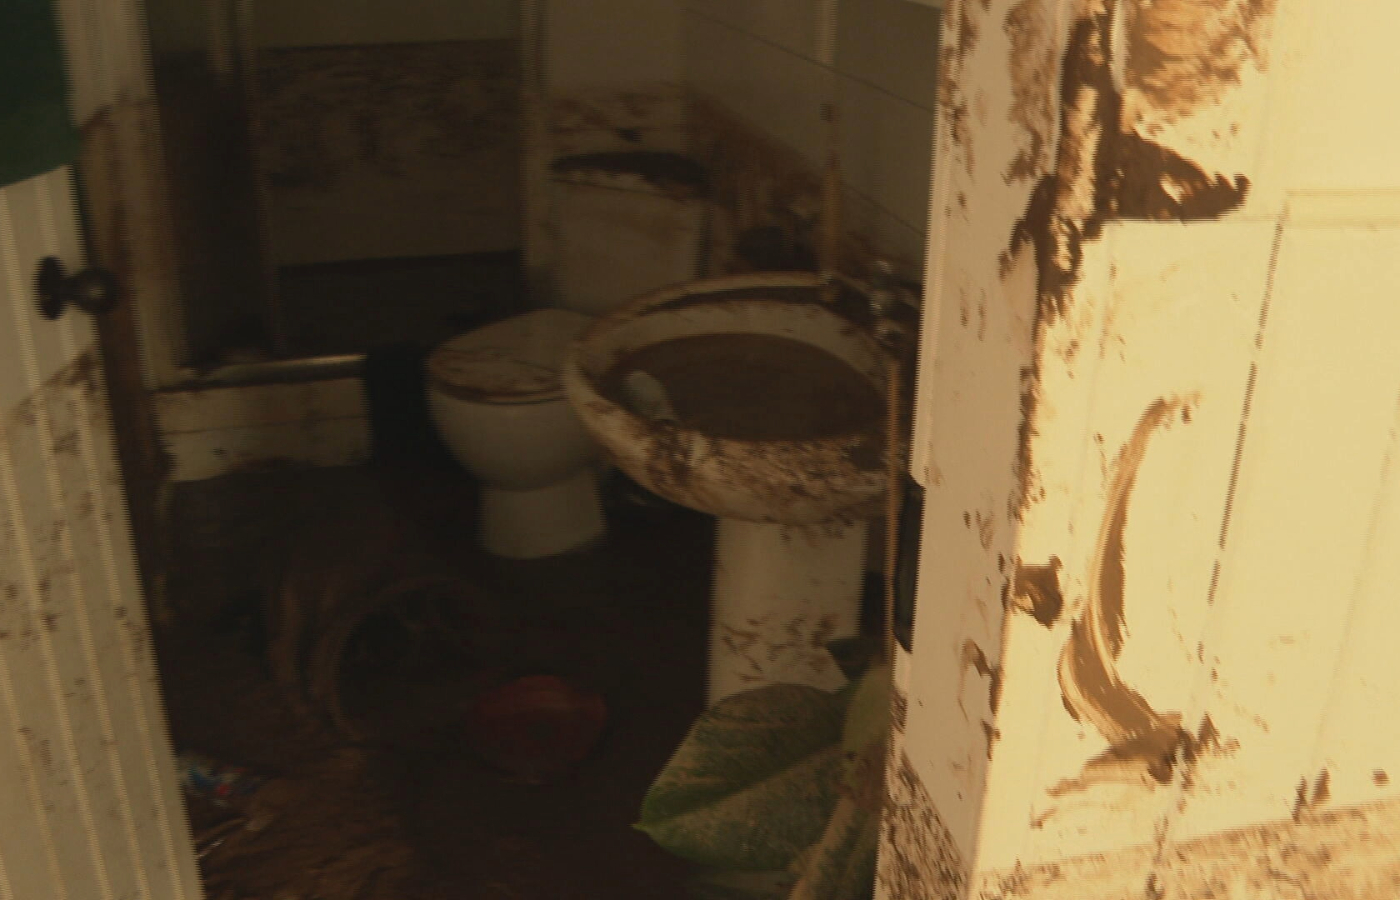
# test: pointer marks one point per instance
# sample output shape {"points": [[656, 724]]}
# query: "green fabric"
{"points": [[37, 133]]}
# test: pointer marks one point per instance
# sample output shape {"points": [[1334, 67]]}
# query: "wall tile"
{"points": [[614, 43], [790, 24], [892, 44], [886, 146], [779, 92], [758, 60]]}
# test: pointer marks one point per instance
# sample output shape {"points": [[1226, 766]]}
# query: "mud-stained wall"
{"points": [[390, 150], [1125, 681], [604, 120]]}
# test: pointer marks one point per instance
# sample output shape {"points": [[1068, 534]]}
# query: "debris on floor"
{"points": [[217, 782], [536, 728], [418, 720], [367, 592], [318, 834]]}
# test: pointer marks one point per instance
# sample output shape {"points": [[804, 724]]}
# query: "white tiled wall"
{"points": [[891, 45], [613, 44], [310, 23], [759, 59]]}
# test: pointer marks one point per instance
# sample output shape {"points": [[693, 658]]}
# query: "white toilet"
{"points": [[495, 392]]}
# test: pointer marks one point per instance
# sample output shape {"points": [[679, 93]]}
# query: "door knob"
{"points": [[94, 291]]}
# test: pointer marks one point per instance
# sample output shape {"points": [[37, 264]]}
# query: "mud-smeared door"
{"points": [[1158, 426], [89, 803]]}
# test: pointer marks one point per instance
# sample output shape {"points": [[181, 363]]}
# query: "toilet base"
{"points": [[542, 522], [780, 593]]}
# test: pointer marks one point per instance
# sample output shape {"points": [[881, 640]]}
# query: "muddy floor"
{"points": [[412, 811]]}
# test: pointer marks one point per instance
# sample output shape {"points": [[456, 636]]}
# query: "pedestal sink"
{"points": [[793, 509]]}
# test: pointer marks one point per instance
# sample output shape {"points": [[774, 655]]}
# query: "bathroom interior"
{"points": [[533, 347]]}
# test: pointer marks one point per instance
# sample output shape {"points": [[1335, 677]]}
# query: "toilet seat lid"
{"points": [[516, 360]]}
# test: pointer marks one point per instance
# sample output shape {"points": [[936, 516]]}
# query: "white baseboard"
{"points": [[214, 431]]}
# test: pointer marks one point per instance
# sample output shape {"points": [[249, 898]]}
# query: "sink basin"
{"points": [[837, 475], [794, 481]]}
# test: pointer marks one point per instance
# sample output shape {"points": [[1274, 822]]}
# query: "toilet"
{"points": [[627, 223]]}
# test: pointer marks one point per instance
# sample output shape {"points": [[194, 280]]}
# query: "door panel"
{"points": [[85, 758], [1158, 427]]}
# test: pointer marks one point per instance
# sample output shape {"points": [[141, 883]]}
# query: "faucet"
{"points": [[883, 292]]}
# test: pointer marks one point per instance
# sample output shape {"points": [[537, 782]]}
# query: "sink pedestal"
{"points": [[780, 593]]}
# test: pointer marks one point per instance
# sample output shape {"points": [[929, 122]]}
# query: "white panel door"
{"points": [[1158, 424], [89, 801]]}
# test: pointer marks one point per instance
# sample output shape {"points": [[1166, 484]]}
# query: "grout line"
{"points": [[917, 230], [811, 59]]}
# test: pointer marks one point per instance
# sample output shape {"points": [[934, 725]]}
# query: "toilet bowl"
{"points": [[497, 401], [625, 223]]}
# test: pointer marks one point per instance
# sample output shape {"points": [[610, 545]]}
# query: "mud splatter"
{"points": [[1322, 791], [986, 530], [408, 106], [1337, 855], [1148, 182], [1128, 765], [1092, 691], [1183, 54], [66, 443], [678, 176], [974, 658], [1310, 797], [1023, 466], [992, 734], [1300, 800], [952, 104], [1029, 26], [968, 33], [918, 858], [786, 481], [82, 372], [1102, 172], [1037, 591], [765, 649], [956, 114]]}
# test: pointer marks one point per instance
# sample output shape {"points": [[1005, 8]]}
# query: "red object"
{"points": [[536, 728]]}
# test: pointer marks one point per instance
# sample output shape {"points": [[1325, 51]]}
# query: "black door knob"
{"points": [[94, 291]]}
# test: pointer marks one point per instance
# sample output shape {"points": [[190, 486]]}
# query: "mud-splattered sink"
{"points": [[788, 451], [777, 429]]}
